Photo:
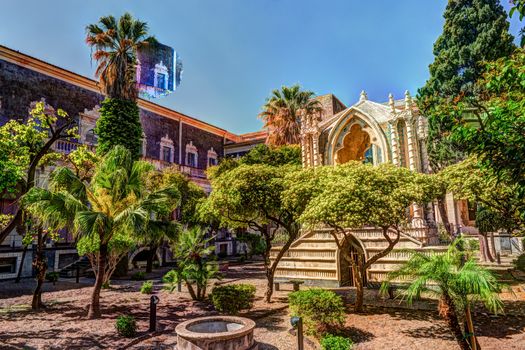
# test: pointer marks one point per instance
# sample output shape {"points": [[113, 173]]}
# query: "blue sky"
{"points": [[236, 51]]}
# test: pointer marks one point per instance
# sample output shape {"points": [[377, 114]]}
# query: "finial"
{"points": [[391, 102], [408, 100], [363, 96]]}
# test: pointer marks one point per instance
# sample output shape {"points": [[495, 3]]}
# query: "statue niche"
{"points": [[355, 145]]}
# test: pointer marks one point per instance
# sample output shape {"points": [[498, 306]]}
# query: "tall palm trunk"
{"points": [[151, 256], [40, 265], [443, 214], [447, 310], [94, 307]]}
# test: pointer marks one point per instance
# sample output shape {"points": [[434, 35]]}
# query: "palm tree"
{"points": [[192, 251], [115, 45], [282, 114], [456, 279], [115, 202]]}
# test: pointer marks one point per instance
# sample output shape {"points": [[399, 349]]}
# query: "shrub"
{"points": [[232, 298], [138, 276], [52, 277], [334, 342], [126, 326], [519, 263], [321, 310], [147, 287], [105, 285]]}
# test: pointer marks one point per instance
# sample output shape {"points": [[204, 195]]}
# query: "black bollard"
{"points": [[297, 323], [179, 286], [154, 300]]}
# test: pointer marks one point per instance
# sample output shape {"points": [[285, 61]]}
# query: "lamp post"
{"points": [[154, 300], [297, 323]]}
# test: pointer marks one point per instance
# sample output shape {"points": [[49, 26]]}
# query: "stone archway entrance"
{"points": [[356, 144], [346, 275]]}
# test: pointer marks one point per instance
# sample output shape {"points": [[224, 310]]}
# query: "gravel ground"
{"points": [[62, 325]]}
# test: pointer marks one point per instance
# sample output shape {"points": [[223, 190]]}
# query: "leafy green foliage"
{"points": [[497, 139], [255, 243], [232, 298], [519, 263], [147, 287], [474, 32], [274, 156], [119, 124], [126, 326], [322, 310], [115, 45], [193, 252], [138, 276], [454, 273], [335, 342], [282, 113], [52, 277]]}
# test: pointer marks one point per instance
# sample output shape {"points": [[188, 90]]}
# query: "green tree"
{"points": [[456, 284], [497, 137], [282, 113], [193, 252], [115, 45], [25, 146], [249, 196], [475, 31], [355, 195], [115, 202], [501, 200]]}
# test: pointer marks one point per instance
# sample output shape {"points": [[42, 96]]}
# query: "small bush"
{"points": [[322, 310], [52, 277], [126, 326], [147, 287], [105, 285], [138, 276], [519, 263], [334, 342], [232, 298]]}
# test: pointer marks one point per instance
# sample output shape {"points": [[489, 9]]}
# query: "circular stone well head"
{"points": [[216, 332]]}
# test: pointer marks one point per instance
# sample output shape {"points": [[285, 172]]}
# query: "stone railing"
{"points": [[184, 169], [66, 147]]}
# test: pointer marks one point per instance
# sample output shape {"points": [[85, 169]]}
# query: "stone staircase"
{"points": [[314, 257]]}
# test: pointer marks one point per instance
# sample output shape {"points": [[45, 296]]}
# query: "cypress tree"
{"points": [[475, 31]]}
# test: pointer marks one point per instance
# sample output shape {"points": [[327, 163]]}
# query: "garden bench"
{"points": [[295, 283]]}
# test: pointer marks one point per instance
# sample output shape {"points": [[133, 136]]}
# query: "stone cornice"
{"points": [[51, 70]]}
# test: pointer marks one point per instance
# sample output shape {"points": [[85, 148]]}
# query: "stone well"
{"points": [[216, 333]]}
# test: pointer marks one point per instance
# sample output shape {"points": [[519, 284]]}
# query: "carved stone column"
{"points": [[394, 144], [315, 149]]}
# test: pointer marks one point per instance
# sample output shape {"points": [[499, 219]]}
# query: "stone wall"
{"points": [[20, 86]]}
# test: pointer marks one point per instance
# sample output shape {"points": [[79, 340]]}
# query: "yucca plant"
{"points": [[456, 279], [115, 202]]}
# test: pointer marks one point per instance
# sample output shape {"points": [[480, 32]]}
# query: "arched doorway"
{"points": [[356, 145], [355, 249]]}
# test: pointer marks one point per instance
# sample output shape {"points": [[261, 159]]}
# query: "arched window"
{"points": [[192, 155], [212, 157], [166, 149], [91, 137]]}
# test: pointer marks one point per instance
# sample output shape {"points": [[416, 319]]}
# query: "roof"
{"points": [[376, 111]]}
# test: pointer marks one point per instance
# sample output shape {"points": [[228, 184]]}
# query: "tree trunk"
{"points": [[486, 248], [448, 312], [269, 285], [191, 291], [151, 256], [443, 214], [40, 265], [492, 244], [470, 327], [94, 307], [19, 274], [359, 293]]}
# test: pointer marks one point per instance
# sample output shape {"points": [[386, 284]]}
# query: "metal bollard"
{"points": [[154, 300], [498, 258], [297, 323], [179, 286]]}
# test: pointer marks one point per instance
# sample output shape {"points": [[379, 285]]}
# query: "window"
{"points": [[8, 265], [212, 157], [192, 160], [166, 153], [91, 137], [403, 146], [212, 161], [161, 80]]}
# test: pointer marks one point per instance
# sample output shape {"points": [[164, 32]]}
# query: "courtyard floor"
{"points": [[386, 324]]}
